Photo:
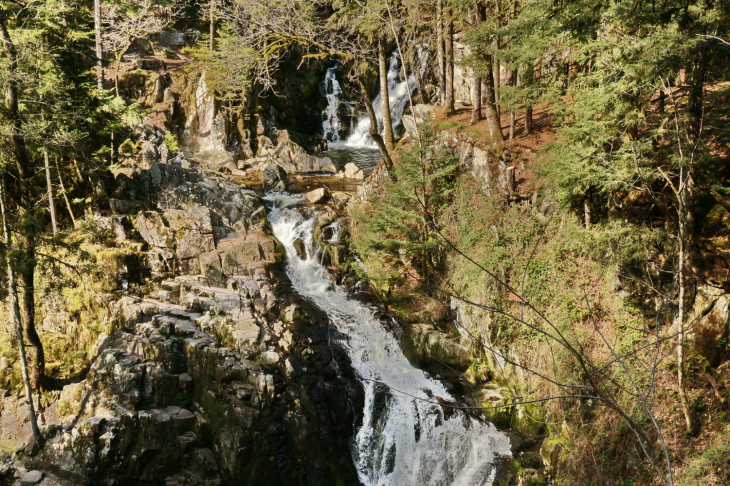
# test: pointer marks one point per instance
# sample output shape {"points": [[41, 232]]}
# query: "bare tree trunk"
{"points": [[99, 50], [476, 101], [27, 275], [528, 120], [65, 197], [685, 224], [385, 96], [512, 113], [497, 47], [476, 89], [493, 121], [374, 126], [696, 95], [51, 205], [441, 59], [212, 25], [449, 54], [587, 212], [662, 101], [17, 322]]}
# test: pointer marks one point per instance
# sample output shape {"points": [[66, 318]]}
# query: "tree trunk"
{"points": [[512, 113], [441, 59], [212, 25], [11, 100], [662, 101], [528, 120], [385, 97], [685, 223], [449, 61], [27, 275], [16, 321], [51, 205], [497, 47], [99, 50], [587, 212], [476, 101], [65, 197], [476, 89], [374, 126], [695, 99], [493, 122]]}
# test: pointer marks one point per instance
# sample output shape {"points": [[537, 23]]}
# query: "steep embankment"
{"points": [[514, 294]]}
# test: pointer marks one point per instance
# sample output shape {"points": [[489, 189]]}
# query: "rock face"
{"points": [[205, 129], [177, 396], [477, 161], [218, 375]]}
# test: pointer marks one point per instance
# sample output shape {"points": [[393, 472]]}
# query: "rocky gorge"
{"points": [[214, 371], [270, 271]]}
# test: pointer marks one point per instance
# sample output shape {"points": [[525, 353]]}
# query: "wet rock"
{"points": [[353, 172], [318, 196], [300, 248], [274, 177]]}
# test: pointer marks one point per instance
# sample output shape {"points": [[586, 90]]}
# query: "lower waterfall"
{"points": [[403, 441]]}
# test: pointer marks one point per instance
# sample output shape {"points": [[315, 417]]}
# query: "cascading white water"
{"points": [[331, 124], [403, 441], [398, 92]]}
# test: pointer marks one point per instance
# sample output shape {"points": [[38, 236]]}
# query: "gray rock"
{"points": [[30, 478], [169, 38], [153, 230], [326, 165], [274, 174], [269, 358]]}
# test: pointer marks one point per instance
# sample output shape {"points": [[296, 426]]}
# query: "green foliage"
{"points": [[403, 224], [712, 467]]}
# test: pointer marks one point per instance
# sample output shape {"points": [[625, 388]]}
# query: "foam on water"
{"points": [[402, 441]]}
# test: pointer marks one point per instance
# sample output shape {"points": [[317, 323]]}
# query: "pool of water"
{"points": [[365, 158]]}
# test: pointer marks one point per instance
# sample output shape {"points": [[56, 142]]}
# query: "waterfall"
{"points": [[331, 125], [404, 439], [398, 93]]}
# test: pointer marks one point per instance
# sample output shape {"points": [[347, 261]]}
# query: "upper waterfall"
{"points": [[331, 124], [399, 91]]}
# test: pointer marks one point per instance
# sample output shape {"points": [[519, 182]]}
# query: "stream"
{"points": [[406, 438]]}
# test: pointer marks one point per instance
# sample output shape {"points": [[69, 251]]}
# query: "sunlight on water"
{"points": [[402, 441]]}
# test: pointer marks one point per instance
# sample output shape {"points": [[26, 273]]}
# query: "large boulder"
{"points": [[295, 159], [354, 172], [169, 38], [193, 231], [318, 196], [274, 177]]}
